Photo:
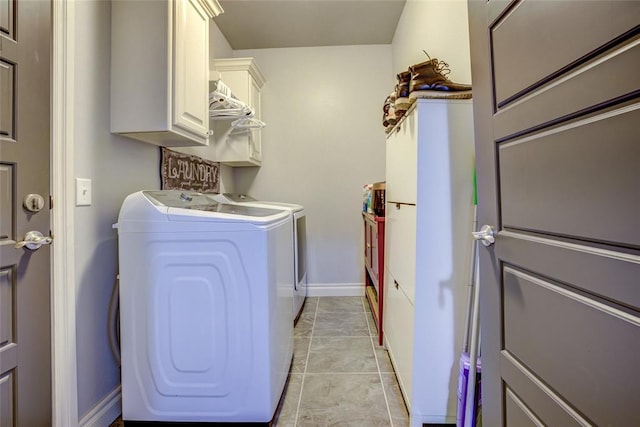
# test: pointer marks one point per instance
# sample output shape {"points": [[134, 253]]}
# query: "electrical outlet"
{"points": [[83, 192]]}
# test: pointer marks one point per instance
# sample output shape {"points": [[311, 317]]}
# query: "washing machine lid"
{"points": [[250, 201], [280, 205], [190, 206], [236, 198]]}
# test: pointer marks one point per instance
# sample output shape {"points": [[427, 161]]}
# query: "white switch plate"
{"points": [[83, 192]]}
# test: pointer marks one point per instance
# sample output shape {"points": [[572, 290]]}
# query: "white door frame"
{"points": [[63, 284]]}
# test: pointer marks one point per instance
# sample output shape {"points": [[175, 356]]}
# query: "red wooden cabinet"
{"points": [[374, 266]]}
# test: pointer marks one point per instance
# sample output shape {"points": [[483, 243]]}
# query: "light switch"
{"points": [[83, 192]]}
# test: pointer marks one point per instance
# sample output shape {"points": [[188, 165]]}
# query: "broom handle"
{"points": [[472, 273], [473, 351]]}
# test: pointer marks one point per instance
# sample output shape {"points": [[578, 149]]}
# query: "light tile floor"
{"points": [[340, 376]]}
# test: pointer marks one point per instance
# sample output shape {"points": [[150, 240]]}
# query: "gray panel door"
{"points": [[25, 319], [557, 122]]}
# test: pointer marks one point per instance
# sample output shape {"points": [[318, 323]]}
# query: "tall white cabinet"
{"points": [[160, 70], [429, 214]]}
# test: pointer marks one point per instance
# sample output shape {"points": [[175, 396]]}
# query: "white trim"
{"points": [[63, 294], [105, 412], [335, 289]]}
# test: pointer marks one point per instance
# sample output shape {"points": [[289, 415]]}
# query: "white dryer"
{"points": [[205, 308], [299, 240]]}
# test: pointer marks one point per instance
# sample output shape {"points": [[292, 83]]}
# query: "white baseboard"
{"points": [[105, 412], [335, 289]]}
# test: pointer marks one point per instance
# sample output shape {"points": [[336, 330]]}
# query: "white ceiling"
{"points": [[257, 24]]}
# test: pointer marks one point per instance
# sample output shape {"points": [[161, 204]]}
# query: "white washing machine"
{"points": [[205, 308], [299, 241]]}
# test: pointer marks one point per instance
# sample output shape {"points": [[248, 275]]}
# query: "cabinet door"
{"points": [[190, 61], [400, 241], [398, 331], [374, 252], [255, 141], [401, 162], [371, 250], [367, 243]]}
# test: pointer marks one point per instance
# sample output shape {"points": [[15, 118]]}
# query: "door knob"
{"points": [[33, 240], [485, 235]]}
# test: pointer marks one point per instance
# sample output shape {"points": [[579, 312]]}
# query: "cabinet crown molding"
{"points": [[212, 7], [235, 64]]}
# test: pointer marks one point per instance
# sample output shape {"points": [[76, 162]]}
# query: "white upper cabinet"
{"points": [[245, 80], [160, 70]]}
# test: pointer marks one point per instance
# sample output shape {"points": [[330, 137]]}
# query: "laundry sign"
{"points": [[179, 171]]}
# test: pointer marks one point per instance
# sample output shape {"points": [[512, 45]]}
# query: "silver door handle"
{"points": [[485, 235], [33, 240]]}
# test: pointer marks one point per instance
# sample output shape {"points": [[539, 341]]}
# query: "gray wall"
{"points": [[117, 167], [440, 28], [324, 140]]}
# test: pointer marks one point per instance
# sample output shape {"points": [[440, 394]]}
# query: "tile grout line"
{"points": [[375, 356], [306, 363]]}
